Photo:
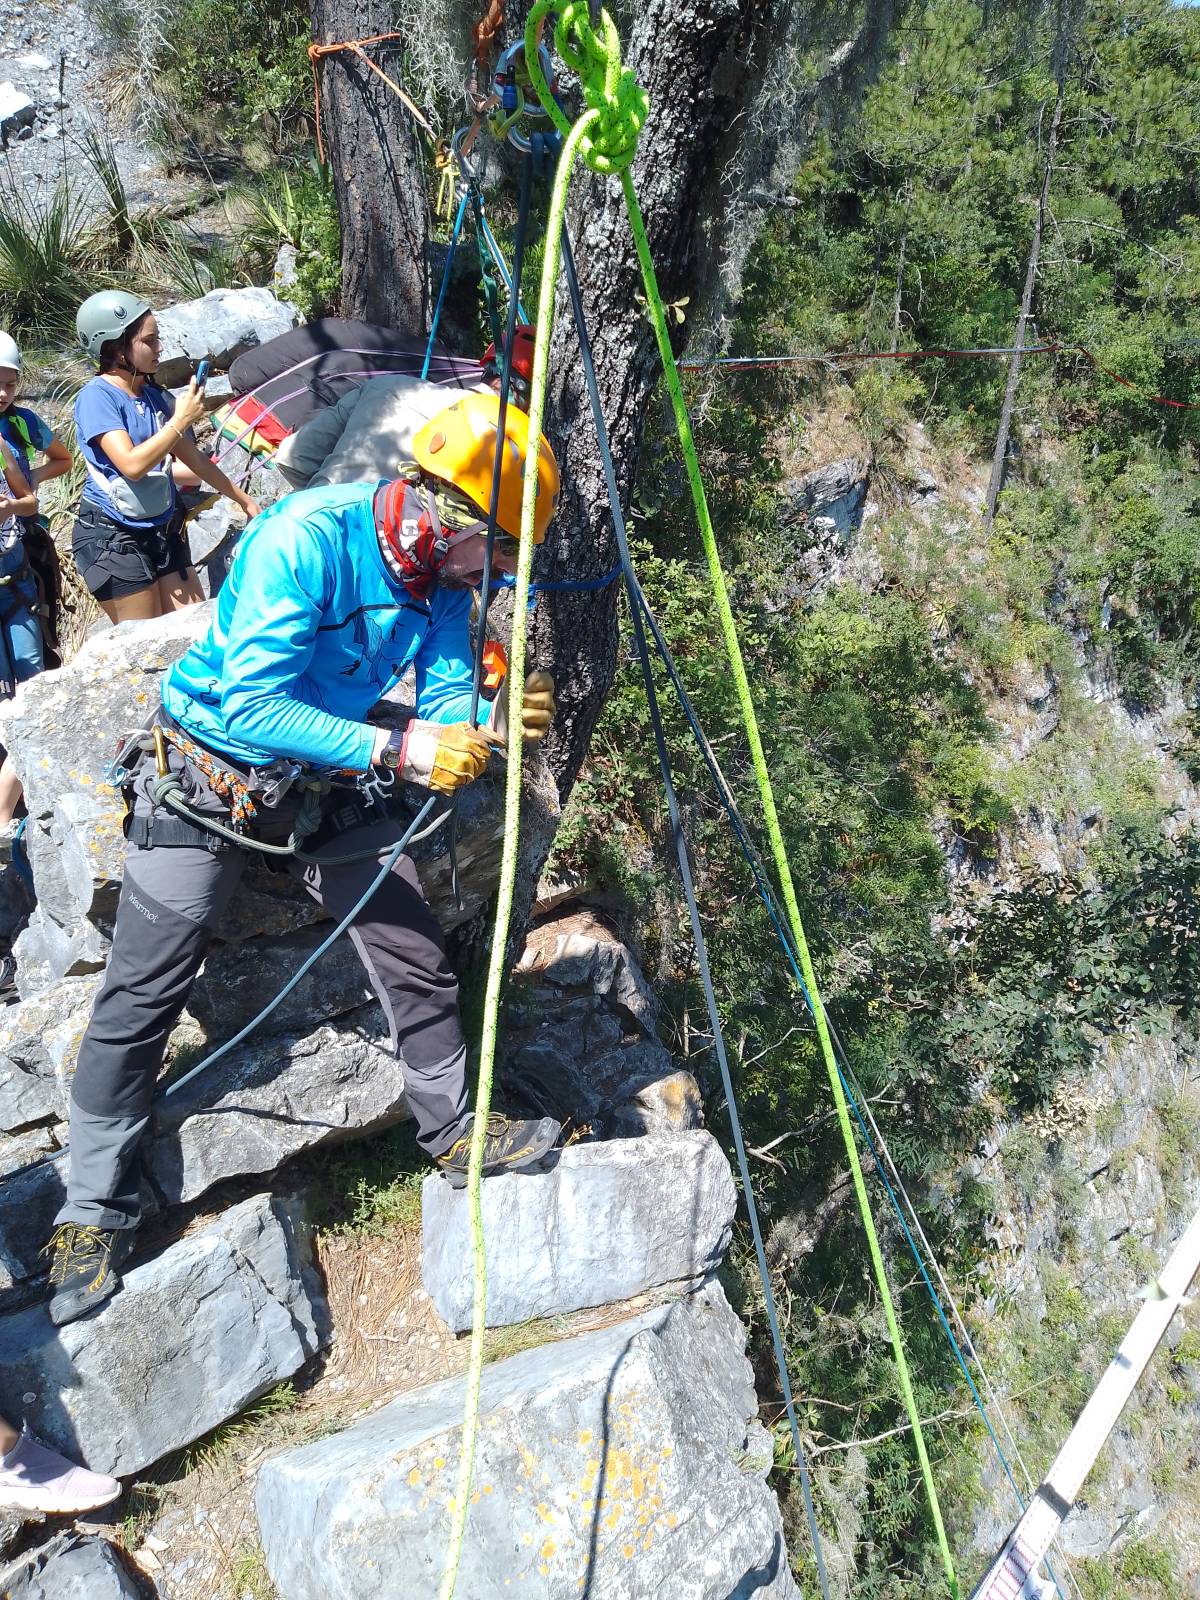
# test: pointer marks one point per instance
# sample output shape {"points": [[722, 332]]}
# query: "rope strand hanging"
{"points": [[357, 47]]}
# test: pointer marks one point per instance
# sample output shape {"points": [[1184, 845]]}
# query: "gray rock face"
{"points": [[264, 1103], [195, 1335], [71, 1567], [836, 492], [29, 1036], [222, 324], [580, 1040], [637, 1441], [212, 538], [270, 1099], [605, 1223]]}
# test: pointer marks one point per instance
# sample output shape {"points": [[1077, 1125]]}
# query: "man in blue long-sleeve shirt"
{"points": [[334, 594]]}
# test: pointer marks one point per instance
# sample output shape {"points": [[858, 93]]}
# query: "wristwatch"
{"points": [[392, 753]]}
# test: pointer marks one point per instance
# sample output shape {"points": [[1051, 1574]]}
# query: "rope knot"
{"points": [[617, 104]]}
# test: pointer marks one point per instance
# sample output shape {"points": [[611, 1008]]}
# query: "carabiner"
{"points": [[160, 751], [509, 86]]}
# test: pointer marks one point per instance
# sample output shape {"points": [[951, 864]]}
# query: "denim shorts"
{"points": [[115, 560]]}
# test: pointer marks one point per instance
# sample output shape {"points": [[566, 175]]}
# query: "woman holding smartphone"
{"points": [[129, 544]]}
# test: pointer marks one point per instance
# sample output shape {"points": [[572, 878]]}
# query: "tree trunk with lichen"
{"points": [[693, 60], [375, 154]]}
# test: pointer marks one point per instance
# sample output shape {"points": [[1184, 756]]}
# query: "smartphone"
{"points": [[202, 373]]}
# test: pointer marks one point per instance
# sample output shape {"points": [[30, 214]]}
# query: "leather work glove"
{"points": [[446, 756], [537, 709]]}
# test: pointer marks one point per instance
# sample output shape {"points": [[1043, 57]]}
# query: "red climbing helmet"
{"points": [[522, 356]]}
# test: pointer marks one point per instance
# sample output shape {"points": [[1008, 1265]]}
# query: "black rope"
{"points": [[685, 874]]}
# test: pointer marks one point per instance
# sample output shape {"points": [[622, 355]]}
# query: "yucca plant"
{"points": [[43, 260]]}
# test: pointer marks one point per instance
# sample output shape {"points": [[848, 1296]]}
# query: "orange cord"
{"points": [[356, 47]]}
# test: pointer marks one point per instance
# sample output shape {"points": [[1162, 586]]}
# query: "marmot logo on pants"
{"points": [[150, 916]]}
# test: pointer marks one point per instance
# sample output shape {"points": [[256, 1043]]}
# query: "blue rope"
{"points": [[441, 299], [505, 580], [489, 238], [754, 862], [685, 875]]}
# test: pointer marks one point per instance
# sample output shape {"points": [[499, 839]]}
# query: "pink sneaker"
{"points": [[33, 1478]]}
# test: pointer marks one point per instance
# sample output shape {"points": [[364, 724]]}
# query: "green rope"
{"points": [[508, 859], [606, 137], [617, 111]]}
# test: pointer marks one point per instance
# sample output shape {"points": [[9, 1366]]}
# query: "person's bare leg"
{"points": [[175, 593], [10, 797], [8, 1437], [134, 607]]}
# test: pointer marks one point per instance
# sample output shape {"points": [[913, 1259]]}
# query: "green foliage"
{"points": [[43, 271], [295, 206], [1144, 1569], [367, 1189], [212, 82]]}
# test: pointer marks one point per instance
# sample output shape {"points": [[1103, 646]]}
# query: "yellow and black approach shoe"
{"points": [[83, 1268], [507, 1146]]}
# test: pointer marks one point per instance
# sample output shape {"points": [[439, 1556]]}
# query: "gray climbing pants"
{"points": [[172, 901]]}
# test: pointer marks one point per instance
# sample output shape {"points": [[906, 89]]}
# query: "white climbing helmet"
{"points": [[10, 352], [107, 315]]}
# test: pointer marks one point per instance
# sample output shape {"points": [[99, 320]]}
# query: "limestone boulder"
{"points": [[604, 1223], [74, 1566], [29, 1035], [17, 113], [580, 1043], [62, 729], [194, 1336], [834, 493], [273, 1097], [222, 325], [620, 1464]]}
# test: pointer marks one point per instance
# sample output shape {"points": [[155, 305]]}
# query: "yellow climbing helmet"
{"points": [[459, 447]]}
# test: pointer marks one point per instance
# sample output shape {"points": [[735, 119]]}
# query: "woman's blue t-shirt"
{"points": [[102, 408]]}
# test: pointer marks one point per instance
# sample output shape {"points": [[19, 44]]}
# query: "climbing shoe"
{"points": [[507, 1146], [83, 1268]]}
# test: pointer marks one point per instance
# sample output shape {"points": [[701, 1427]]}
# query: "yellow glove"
{"points": [[446, 756], [538, 707]]}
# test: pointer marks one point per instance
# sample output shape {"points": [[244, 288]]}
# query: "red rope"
{"points": [[845, 357]]}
